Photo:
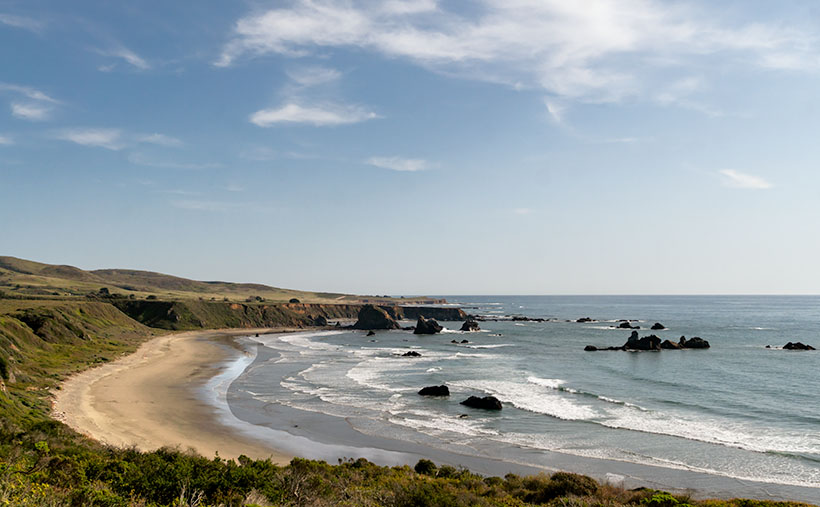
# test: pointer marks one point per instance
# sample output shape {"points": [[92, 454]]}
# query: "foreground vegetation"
{"points": [[44, 463]]}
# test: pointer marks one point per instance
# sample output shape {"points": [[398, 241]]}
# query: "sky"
{"points": [[418, 146]]}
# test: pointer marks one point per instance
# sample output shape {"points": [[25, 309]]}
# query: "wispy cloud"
{"points": [[218, 206], [522, 211], [556, 111], [140, 159], [399, 164], [23, 22], [31, 111], [591, 51], [110, 139], [320, 116], [159, 139], [28, 92], [736, 179], [313, 75], [124, 54], [6, 140]]}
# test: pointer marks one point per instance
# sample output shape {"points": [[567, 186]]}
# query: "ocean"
{"points": [[737, 419]]}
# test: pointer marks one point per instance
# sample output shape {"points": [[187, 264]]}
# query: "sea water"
{"points": [[737, 410]]}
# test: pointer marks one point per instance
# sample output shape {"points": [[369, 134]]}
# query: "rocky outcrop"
{"points": [[650, 342], [427, 326], [470, 325], [485, 403], [657, 326], [447, 314], [797, 346], [373, 317], [694, 343], [584, 319], [670, 345], [412, 353], [435, 391], [625, 324], [320, 321], [371, 333]]}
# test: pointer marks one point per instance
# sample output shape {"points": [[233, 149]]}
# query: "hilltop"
{"points": [[25, 279]]}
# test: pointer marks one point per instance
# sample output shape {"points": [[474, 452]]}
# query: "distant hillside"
{"points": [[24, 278]]}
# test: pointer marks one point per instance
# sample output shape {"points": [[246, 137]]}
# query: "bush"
{"points": [[426, 467]]}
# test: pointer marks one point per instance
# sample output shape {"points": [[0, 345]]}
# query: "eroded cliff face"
{"points": [[183, 315]]}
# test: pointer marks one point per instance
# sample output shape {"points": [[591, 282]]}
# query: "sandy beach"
{"points": [[149, 399]]}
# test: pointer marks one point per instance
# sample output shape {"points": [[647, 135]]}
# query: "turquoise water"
{"points": [[737, 410]]}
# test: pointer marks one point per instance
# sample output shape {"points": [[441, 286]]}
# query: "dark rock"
{"points": [[486, 403], [427, 326], [465, 341], [435, 391], [321, 321], [584, 319], [454, 341], [670, 345], [797, 346], [626, 325], [657, 326], [412, 353], [590, 348], [294, 301], [338, 324], [373, 317], [371, 333], [650, 342], [470, 325], [694, 343], [409, 328]]}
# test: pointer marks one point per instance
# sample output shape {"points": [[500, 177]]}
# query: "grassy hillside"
{"points": [[24, 278]]}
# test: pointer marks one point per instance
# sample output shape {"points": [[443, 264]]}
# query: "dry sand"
{"points": [[149, 399]]}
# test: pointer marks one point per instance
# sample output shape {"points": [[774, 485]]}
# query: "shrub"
{"points": [[426, 467]]}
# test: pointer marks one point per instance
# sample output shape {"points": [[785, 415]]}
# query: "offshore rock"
{"points": [[650, 342], [470, 325], [657, 326], [694, 343], [797, 346], [485, 403], [412, 353], [427, 326], [627, 325], [373, 317], [670, 345], [435, 391], [371, 333]]}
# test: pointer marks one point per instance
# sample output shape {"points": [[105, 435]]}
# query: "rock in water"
{"points": [[584, 319], [650, 342], [427, 326], [371, 333], [412, 353], [486, 403], [797, 346], [470, 325], [694, 343], [626, 325], [435, 391], [373, 317], [670, 345], [590, 348], [657, 326]]}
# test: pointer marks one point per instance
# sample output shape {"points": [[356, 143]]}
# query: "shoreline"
{"points": [[152, 398]]}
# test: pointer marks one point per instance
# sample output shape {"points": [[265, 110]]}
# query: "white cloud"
{"points": [[110, 139], [522, 211], [399, 164], [6, 140], [593, 51], [31, 111], [29, 92], [159, 139], [313, 75], [321, 116], [735, 179], [21, 22], [556, 111], [125, 54]]}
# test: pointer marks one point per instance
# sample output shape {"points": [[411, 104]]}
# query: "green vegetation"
{"points": [[45, 463], [21, 278]]}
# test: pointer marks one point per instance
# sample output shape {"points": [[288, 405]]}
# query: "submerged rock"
{"points": [[797, 346], [412, 353], [486, 403], [373, 317], [585, 319], [470, 325], [427, 326], [435, 391]]}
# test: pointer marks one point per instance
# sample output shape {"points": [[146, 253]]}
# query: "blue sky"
{"points": [[418, 146]]}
